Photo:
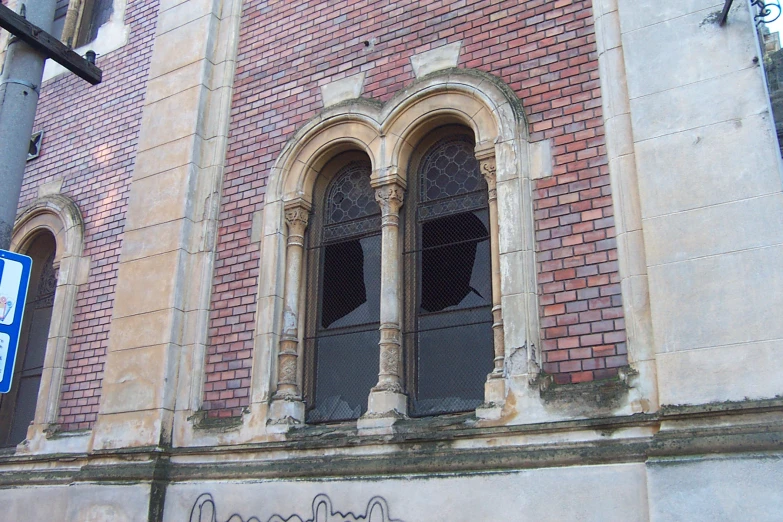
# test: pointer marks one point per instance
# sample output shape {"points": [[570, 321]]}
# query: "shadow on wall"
{"points": [[204, 510]]}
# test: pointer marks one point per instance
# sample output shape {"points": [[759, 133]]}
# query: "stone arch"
{"points": [[388, 134], [60, 216]]}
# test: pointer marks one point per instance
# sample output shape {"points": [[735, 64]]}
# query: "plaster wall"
{"points": [[520, 496], [83, 502], [710, 198], [717, 489]]}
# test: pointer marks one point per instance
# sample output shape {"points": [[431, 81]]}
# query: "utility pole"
{"points": [[29, 47]]}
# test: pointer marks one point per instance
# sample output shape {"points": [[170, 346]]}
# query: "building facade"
{"points": [[398, 261]]}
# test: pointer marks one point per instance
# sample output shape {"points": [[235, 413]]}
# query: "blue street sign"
{"points": [[14, 280]]}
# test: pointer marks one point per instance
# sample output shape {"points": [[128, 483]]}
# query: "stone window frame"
{"points": [[388, 134], [112, 35], [60, 216]]}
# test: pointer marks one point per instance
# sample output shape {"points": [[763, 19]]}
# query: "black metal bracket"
{"points": [[769, 11]]}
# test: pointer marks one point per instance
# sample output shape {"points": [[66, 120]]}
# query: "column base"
{"points": [[384, 409], [386, 402], [284, 414], [494, 398], [495, 389]]}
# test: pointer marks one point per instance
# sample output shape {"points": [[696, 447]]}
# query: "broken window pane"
{"points": [[453, 337], [351, 283], [345, 344], [455, 262]]}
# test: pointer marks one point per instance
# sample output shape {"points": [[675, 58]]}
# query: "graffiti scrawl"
{"points": [[205, 510]]}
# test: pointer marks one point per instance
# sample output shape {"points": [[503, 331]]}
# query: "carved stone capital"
{"points": [[390, 198], [488, 170], [296, 218]]}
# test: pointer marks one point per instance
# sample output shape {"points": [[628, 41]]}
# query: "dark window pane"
{"points": [[60, 9], [36, 342], [341, 342], [351, 283], [101, 12], [452, 331], [346, 369], [454, 358], [455, 262], [25, 409]]}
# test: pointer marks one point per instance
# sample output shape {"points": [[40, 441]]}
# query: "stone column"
{"points": [[495, 386], [287, 404], [387, 400]]}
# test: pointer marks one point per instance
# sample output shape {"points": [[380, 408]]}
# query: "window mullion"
{"points": [[387, 398]]}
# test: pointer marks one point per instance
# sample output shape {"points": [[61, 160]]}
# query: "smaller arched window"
{"points": [[448, 280], [17, 407], [344, 260]]}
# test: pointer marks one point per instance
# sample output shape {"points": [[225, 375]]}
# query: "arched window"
{"points": [[344, 260], [443, 158], [447, 328], [17, 407]]}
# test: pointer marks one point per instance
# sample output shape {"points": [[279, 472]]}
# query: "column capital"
{"points": [[390, 197], [488, 170], [297, 214]]}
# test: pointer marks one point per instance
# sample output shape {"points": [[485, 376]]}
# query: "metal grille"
{"points": [[342, 341], [450, 334]]}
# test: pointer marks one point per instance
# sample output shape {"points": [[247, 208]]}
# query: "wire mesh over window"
{"points": [[449, 325], [343, 338]]}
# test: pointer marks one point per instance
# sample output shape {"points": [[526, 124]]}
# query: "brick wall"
{"points": [[90, 136], [543, 49]]}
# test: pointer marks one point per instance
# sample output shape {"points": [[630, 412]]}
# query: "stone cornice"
{"points": [[428, 447]]}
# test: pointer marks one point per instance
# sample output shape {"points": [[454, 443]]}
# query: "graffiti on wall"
{"points": [[377, 510]]}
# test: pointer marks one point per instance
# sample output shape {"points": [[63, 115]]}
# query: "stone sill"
{"points": [[431, 445]]}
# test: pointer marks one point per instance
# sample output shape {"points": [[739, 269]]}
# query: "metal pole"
{"points": [[19, 89]]}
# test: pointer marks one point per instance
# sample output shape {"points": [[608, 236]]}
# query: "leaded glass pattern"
{"points": [[450, 169], [350, 194], [341, 341], [448, 332]]}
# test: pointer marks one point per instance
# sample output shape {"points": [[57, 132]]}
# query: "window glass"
{"points": [[452, 330], [344, 339]]}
